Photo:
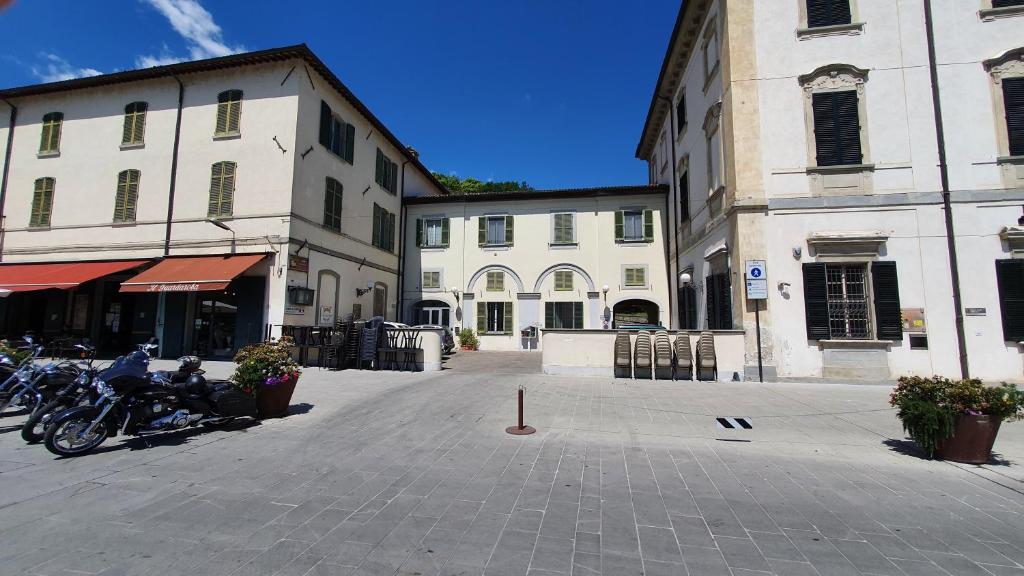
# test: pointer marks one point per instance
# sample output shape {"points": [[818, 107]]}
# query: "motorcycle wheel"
{"points": [[63, 435], [24, 406], [35, 427]]}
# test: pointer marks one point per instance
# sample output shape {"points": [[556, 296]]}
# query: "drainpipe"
{"points": [[947, 207], [401, 249], [7, 167], [671, 263], [174, 166]]}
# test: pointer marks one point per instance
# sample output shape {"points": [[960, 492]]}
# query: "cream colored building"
{"points": [[803, 133], [508, 264], [116, 187]]}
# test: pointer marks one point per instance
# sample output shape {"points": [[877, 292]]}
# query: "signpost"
{"points": [[757, 290]]}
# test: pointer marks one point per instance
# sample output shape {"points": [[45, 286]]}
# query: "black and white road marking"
{"points": [[734, 423]]}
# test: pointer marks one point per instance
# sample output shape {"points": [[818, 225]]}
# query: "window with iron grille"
{"points": [[222, 189], [49, 142], [229, 112], [332, 205], [848, 311], [127, 197], [134, 123]]}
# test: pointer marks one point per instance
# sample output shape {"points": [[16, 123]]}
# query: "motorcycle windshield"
{"points": [[125, 366]]}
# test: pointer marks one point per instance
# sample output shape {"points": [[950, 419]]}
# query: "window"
{"points": [[828, 13], [1010, 280], [495, 231], [634, 276], [684, 196], [332, 205], [496, 281], [634, 226], [563, 280], [681, 113], [336, 135], [711, 50], [49, 142], [387, 172], [494, 317], [229, 111], [134, 123], [1013, 100], [718, 292], [383, 229], [42, 203], [837, 128], [127, 197], [563, 231], [1006, 3], [432, 232], [688, 307], [563, 315], [222, 189], [431, 280], [838, 306]]}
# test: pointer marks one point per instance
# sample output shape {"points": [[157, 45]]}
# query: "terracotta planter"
{"points": [[468, 348], [972, 440], [273, 401]]}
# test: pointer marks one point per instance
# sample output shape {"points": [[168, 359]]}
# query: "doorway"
{"points": [[433, 312], [215, 321], [633, 312]]}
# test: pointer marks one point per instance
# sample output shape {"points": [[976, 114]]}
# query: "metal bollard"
{"points": [[520, 429]]}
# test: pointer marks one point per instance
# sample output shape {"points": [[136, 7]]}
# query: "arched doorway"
{"points": [[634, 312], [432, 312]]}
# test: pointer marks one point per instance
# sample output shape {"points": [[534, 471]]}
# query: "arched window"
{"points": [[49, 142], [127, 196], [229, 111], [332, 205], [134, 123], [42, 202], [222, 189]]}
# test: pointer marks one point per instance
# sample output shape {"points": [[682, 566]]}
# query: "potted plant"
{"points": [[468, 340], [955, 420], [268, 372]]}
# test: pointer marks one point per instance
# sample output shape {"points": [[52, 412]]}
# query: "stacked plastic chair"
{"points": [[623, 358], [642, 360], [662, 356], [684, 357], [707, 363]]}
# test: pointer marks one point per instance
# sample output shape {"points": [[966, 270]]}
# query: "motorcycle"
{"points": [[31, 386], [134, 402], [78, 392]]}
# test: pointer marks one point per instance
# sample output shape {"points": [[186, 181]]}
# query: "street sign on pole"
{"points": [[757, 290]]}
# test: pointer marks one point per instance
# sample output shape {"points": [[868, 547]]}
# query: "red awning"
{"points": [[191, 274], [63, 276]]}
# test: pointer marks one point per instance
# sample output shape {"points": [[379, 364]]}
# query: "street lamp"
{"points": [[224, 226]]}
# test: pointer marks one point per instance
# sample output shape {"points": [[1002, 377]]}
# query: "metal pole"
{"points": [[520, 429], [757, 328], [520, 408]]}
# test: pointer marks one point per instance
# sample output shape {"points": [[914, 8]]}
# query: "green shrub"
{"points": [[468, 339]]}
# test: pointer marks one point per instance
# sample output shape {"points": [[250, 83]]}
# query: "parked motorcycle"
{"points": [[31, 385], [78, 392], [133, 401]]}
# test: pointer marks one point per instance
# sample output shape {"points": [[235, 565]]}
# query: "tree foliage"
{"points": [[457, 185]]}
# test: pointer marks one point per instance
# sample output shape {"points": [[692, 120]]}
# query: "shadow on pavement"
{"points": [[910, 448]]}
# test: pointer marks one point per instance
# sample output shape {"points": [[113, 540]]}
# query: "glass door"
{"points": [[214, 334]]}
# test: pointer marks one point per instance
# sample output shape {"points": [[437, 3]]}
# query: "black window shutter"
{"points": [[836, 128], [687, 308], [826, 143], [350, 143], [681, 113], [848, 124], [816, 302], [577, 315], [725, 302], [887, 300], [1013, 98], [828, 13], [684, 196], [1010, 279], [710, 289], [325, 124], [549, 315]]}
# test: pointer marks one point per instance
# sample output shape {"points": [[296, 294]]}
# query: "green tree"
{"points": [[457, 185]]}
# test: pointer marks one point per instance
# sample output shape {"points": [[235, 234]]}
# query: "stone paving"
{"points": [[387, 473]]}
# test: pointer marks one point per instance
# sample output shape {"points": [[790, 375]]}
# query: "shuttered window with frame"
{"points": [[563, 315], [836, 303], [1013, 99], [222, 189], [495, 230], [494, 317], [828, 13], [387, 172], [49, 141], [127, 197], [886, 292], [336, 135], [332, 204], [134, 123], [681, 113], [634, 226], [383, 229], [42, 202], [1010, 281], [684, 196], [229, 113], [563, 230], [634, 276], [431, 280], [719, 301], [432, 232], [496, 281], [563, 280], [837, 128]]}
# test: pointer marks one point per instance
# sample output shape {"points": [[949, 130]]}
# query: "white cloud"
{"points": [[55, 69], [202, 35]]}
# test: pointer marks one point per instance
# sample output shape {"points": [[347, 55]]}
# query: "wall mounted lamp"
{"points": [[685, 278], [455, 292]]}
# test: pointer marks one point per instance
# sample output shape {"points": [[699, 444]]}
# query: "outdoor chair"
{"points": [[642, 362], [623, 358], [707, 363], [662, 356], [410, 346], [684, 358]]}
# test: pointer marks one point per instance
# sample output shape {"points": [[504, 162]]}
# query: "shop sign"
{"points": [[298, 263], [193, 287], [913, 320], [294, 310], [975, 311]]}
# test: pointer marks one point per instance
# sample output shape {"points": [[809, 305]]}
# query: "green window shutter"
{"points": [[227, 195], [499, 281], [138, 136], [419, 233], [393, 186], [376, 225], [649, 225], [482, 230], [379, 173], [222, 118], [481, 317], [325, 124], [44, 137], [445, 224], [549, 315], [577, 315], [391, 231], [350, 143], [121, 196], [132, 199], [129, 125], [508, 317], [50, 135], [42, 201], [509, 234], [216, 181], [229, 110], [620, 227]]}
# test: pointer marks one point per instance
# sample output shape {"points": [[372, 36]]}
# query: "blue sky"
{"points": [[551, 92]]}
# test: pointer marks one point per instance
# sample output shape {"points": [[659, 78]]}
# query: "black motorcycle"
{"points": [[135, 402], [78, 392], [32, 386]]}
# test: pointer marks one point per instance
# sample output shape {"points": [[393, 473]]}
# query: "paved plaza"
{"points": [[394, 473]]}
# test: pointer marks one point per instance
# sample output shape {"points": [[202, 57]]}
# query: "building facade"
{"points": [[206, 203], [804, 133], [506, 265]]}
